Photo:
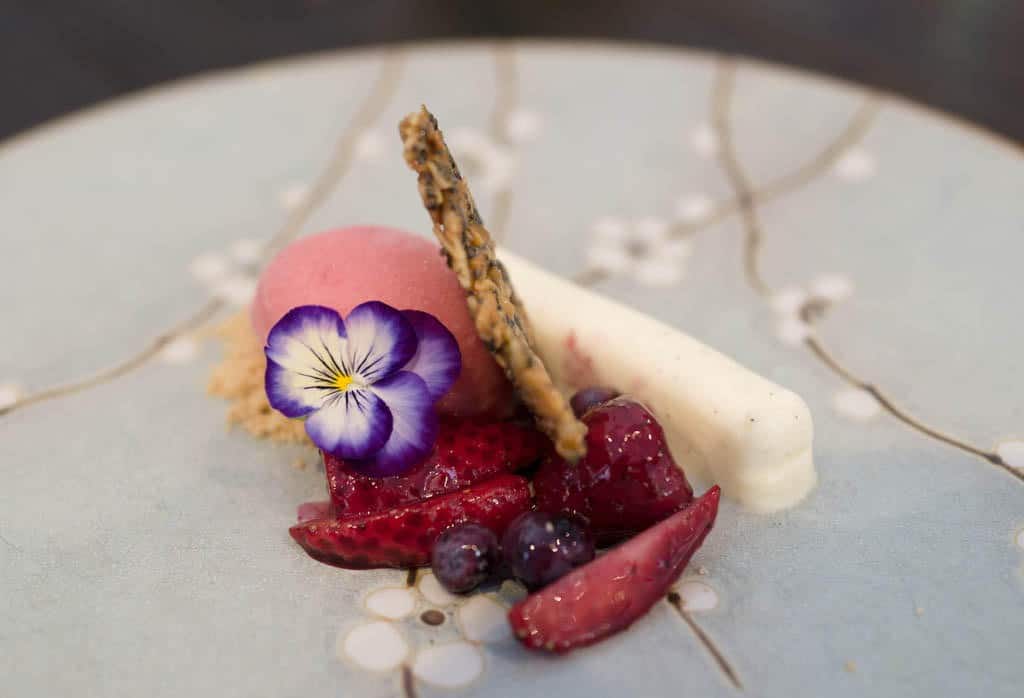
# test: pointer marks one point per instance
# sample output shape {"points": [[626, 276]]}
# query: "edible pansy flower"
{"points": [[366, 384]]}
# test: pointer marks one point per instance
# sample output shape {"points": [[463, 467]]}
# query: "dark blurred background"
{"points": [[963, 56]]}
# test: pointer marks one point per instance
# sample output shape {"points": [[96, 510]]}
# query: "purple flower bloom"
{"points": [[366, 384]]}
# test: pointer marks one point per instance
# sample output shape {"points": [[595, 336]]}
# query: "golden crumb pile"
{"points": [[238, 378]]}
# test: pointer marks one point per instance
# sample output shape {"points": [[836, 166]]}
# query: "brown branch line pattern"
{"points": [[721, 91], [193, 322], [408, 681], [506, 96], [343, 154], [337, 166], [814, 309], [777, 188], [798, 178], [744, 203], [505, 99], [720, 659]]}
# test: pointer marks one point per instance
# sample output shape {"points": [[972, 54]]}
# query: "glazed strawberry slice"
{"points": [[626, 482], [605, 596], [404, 536], [467, 451]]}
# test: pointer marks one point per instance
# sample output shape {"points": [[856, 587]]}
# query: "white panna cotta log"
{"points": [[723, 422]]}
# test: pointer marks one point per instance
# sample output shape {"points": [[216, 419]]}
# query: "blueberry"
{"points": [[586, 398], [465, 556], [539, 547]]}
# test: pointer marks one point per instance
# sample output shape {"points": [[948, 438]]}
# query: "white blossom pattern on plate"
{"points": [[792, 303], [490, 164], [482, 619], [180, 350], [9, 394], [1012, 453], [451, 665], [292, 196], [393, 603], [641, 249], [230, 275], [380, 645], [855, 165], [793, 331], [856, 404], [246, 251], [831, 287], [209, 267], [789, 300], [433, 592], [691, 208], [369, 146], [704, 140], [696, 596], [237, 289], [376, 646], [523, 125]]}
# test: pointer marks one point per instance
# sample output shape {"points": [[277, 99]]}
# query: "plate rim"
{"points": [[285, 63]]}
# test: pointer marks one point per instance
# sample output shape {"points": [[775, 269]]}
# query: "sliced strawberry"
{"points": [[404, 536], [626, 482], [605, 596], [467, 452]]}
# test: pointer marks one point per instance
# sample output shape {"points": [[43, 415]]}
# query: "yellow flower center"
{"points": [[342, 382]]}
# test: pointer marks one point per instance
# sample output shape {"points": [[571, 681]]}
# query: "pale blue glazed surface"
{"points": [[145, 548]]}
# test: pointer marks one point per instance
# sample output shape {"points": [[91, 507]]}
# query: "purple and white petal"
{"points": [[309, 339], [294, 393], [415, 425], [437, 359], [380, 341], [352, 424]]}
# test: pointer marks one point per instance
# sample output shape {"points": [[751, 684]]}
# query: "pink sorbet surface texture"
{"points": [[343, 268]]}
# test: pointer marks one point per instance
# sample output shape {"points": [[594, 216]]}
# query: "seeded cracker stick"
{"points": [[498, 313]]}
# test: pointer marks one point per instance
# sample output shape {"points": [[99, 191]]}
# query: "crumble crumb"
{"points": [[238, 378]]}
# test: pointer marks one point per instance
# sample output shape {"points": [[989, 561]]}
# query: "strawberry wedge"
{"points": [[467, 452], [404, 536], [605, 596]]}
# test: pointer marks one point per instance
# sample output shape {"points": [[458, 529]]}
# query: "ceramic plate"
{"points": [[861, 251]]}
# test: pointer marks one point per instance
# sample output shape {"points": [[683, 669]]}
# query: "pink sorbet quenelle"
{"points": [[342, 268]]}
